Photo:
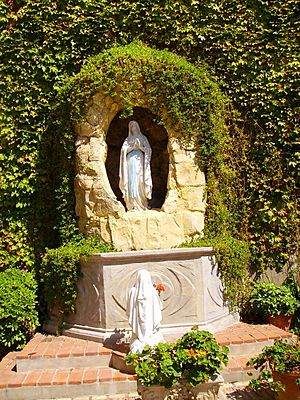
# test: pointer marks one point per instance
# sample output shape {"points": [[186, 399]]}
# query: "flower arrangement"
{"points": [[194, 359]]}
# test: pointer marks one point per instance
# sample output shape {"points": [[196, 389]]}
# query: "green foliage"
{"points": [[293, 283], [60, 270], [253, 49], [182, 97], [18, 314], [14, 249], [193, 358], [270, 299], [233, 258], [281, 357]]}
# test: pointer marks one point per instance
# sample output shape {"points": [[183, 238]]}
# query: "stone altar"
{"points": [[193, 295]]}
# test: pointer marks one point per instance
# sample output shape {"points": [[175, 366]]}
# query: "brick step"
{"points": [[52, 352], [60, 367], [237, 370], [59, 383], [245, 339]]}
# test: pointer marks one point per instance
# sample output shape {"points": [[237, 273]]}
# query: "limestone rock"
{"points": [[178, 207]]}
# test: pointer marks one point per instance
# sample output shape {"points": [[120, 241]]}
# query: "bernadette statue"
{"points": [[135, 173], [144, 312]]}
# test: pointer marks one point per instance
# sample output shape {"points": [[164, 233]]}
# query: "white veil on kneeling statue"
{"points": [[144, 312]]}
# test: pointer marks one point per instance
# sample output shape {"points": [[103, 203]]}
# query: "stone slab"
{"points": [[67, 391]]}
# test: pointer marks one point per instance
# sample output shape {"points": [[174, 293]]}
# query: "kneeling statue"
{"points": [[144, 312]]}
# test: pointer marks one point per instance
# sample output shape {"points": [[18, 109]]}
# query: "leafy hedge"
{"points": [[18, 315], [252, 49], [60, 270]]}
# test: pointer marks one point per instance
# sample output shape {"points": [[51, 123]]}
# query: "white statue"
{"points": [[144, 312], [135, 173]]}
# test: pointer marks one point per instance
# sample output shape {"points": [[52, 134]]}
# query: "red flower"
{"points": [[160, 287]]}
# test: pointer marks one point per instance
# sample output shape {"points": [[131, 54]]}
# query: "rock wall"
{"points": [[101, 213]]}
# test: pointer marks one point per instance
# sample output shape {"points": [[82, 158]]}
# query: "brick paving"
{"points": [[244, 333], [47, 348]]}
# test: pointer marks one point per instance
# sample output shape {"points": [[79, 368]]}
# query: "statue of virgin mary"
{"points": [[135, 173]]}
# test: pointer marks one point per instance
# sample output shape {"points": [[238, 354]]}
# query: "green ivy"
{"points": [[233, 258], [60, 270], [250, 46]]}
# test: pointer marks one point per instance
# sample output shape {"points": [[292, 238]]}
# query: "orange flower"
{"points": [[191, 352], [160, 287]]}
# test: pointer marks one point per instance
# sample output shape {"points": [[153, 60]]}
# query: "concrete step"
{"points": [[71, 382]]}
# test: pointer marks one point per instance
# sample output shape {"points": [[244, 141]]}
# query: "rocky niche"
{"points": [[176, 210]]}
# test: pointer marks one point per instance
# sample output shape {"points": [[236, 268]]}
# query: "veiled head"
{"points": [[134, 128], [143, 284]]}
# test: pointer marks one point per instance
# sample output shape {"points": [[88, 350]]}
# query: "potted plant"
{"points": [[275, 303], [279, 367], [187, 368]]}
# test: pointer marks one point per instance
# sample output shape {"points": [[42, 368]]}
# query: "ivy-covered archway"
{"points": [[188, 103], [189, 109]]}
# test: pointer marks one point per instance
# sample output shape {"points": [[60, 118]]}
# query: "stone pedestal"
{"points": [[193, 295]]}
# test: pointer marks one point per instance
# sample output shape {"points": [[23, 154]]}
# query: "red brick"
{"points": [[66, 348], [6, 378], [76, 376], [104, 350], [91, 375], [119, 376], [53, 349], [132, 377], [38, 351], [17, 379], [78, 349], [106, 374], [46, 377], [61, 377], [236, 340], [92, 349], [9, 361], [233, 364], [31, 378]]}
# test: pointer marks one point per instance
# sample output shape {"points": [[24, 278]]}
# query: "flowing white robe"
{"points": [[135, 172], [144, 311]]}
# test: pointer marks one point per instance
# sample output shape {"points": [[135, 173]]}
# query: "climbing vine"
{"points": [[250, 46]]}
